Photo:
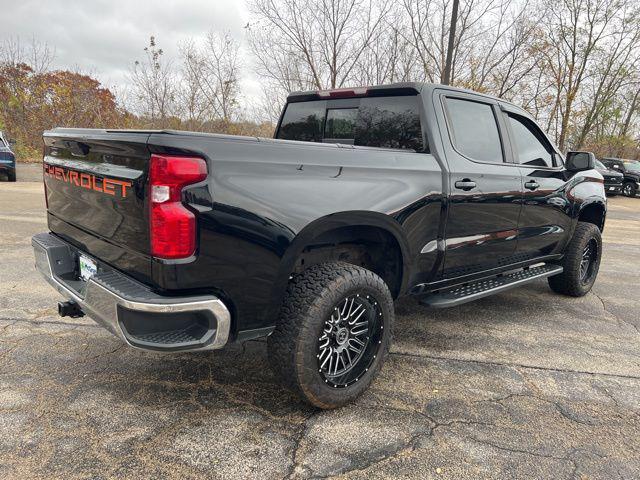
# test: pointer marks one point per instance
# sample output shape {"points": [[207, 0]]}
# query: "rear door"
{"points": [[485, 186], [546, 211]]}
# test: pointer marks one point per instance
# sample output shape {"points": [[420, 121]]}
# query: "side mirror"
{"points": [[580, 161]]}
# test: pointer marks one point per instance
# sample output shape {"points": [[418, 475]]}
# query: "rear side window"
{"points": [[389, 122], [386, 122], [474, 130], [531, 146]]}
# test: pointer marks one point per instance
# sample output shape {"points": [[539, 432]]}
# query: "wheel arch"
{"points": [[593, 211], [332, 233]]}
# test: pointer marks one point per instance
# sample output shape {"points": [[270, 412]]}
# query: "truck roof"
{"points": [[401, 88]]}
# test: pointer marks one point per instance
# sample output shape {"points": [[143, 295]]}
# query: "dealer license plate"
{"points": [[88, 268]]}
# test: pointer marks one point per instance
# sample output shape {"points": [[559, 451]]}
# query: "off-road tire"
{"points": [[569, 282], [11, 177], [310, 299], [629, 189]]}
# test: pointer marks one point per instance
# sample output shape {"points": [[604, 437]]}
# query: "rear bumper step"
{"points": [[483, 288], [128, 309]]}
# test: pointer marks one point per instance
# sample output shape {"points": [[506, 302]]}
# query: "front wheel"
{"points": [[630, 189], [581, 262], [333, 333]]}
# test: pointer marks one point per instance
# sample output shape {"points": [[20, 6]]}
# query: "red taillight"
{"points": [[172, 225]]}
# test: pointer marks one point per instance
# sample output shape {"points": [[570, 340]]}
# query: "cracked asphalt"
{"points": [[526, 384]]}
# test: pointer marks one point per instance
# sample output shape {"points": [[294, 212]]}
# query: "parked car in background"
{"points": [[613, 180], [7, 159], [631, 171]]}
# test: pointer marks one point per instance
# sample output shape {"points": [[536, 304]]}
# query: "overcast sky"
{"points": [[104, 37]]}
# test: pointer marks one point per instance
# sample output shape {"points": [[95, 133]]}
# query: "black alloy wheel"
{"points": [[350, 340], [588, 262], [333, 333], [580, 263]]}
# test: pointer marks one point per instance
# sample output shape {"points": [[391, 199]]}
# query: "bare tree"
{"points": [[37, 55], [429, 23], [575, 32], [155, 86], [211, 78], [389, 57], [316, 43]]}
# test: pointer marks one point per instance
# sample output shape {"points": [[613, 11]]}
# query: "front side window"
{"points": [[531, 146], [475, 130]]}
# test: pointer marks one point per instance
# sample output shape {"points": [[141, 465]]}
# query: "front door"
{"points": [[546, 210], [485, 187]]}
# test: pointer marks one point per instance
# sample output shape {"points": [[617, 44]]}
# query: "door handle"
{"points": [[465, 184], [531, 185]]}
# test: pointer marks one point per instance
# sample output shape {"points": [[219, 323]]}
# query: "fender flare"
{"points": [[325, 224], [588, 202]]}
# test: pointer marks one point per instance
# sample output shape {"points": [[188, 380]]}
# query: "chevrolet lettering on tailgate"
{"points": [[110, 186]]}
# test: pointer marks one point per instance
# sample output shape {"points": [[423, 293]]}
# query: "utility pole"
{"points": [[446, 75]]}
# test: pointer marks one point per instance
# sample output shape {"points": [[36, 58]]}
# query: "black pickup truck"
{"points": [[630, 170], [179, 241]]}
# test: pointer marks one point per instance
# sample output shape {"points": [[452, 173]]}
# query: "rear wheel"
{"points": [[11, 177], [630, 189], [333, 333], [581, 262]]}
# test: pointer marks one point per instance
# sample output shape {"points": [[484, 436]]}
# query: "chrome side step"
{"points": [[471, 291]]}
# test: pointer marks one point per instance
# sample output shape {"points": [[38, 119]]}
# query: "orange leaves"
{"points": [[34, 102]]}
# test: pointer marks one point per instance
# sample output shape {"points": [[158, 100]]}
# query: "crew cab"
{"points": [[180, 241], [630, 169], [7, 159]]}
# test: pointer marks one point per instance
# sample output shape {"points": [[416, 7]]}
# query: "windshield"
{"points": [[600, 165], [632, 166]]}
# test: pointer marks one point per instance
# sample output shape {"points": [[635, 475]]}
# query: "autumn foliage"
{"points": [[33, 102]]}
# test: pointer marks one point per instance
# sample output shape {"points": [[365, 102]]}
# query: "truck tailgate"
{"points": [[95, 187]]}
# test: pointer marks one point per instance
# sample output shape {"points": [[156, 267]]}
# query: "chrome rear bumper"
{"points": [[128, 309]]}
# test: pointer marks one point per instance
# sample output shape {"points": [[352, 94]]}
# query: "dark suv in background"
{"points": [[613, 179], [630, 169], [7, 160]]}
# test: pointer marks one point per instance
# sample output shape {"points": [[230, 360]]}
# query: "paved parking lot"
{"points": [[526, 384]]}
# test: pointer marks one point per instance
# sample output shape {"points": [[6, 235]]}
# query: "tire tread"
{"points": [[306, 294], [568, 282]]}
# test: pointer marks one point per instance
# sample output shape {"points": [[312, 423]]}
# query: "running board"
{"points": [[483, 288]]}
